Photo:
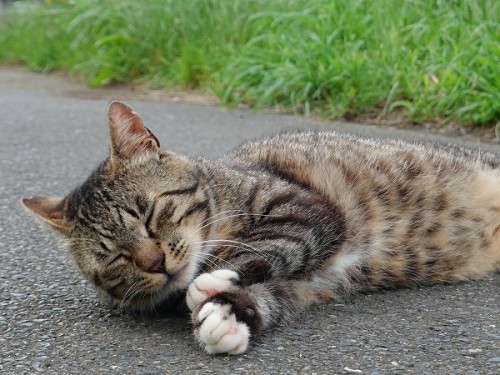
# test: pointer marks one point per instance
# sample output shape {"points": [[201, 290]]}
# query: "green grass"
{"points": [[430, 60]]}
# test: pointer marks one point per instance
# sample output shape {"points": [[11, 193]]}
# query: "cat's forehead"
{"points": [[153, 179], [134, 184], [95, 195]]}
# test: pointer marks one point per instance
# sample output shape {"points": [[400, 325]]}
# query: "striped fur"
{"points": [[276, 225]]}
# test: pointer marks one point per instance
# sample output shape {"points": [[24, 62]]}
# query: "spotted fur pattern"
{"points": [[276, 225]]}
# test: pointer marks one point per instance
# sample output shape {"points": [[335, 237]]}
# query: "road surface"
{"points": [[52, 134]]}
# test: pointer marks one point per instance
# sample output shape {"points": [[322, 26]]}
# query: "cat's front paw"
{"points": [[209, 284], [218, 330]]}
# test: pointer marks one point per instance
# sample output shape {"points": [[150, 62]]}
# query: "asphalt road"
{"points": [[52, 133]]}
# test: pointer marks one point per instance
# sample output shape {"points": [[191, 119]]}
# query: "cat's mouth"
{"points": [[160, 267], [165, 279], [162, 284], [150, 287]]}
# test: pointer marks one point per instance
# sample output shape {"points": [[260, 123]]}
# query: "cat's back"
{"points": [[320, 159], [352, 170], [433, 199], [320, 146]]}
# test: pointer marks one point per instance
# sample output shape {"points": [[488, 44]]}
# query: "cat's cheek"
{"points": [[184, 277]]}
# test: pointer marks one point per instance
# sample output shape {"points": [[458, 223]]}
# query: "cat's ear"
{"points": [[50, 210], [129, 137]]}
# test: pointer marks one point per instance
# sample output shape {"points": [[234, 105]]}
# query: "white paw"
{"points": [[209, 284], [219, 331]]}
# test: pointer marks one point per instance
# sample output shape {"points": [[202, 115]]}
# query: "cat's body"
{"points": [[276, 225]]}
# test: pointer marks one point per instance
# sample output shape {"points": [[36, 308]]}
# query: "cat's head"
{"points": [[135, 226]]}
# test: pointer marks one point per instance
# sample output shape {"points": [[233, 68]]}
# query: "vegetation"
{"points": [[426, 59]]}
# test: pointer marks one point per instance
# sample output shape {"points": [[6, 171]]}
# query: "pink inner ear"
{"points": [[137, 127], [50, 210], [129, 136], [135, 124]]}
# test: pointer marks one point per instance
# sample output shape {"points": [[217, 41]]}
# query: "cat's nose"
{"points": [[158, 265]]}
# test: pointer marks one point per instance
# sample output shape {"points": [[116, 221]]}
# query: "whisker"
{"points": [[221, 213], [237, 244], [131, 293], [207, 222], [205, 257], [212, 262]]}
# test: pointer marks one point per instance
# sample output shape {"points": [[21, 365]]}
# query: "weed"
{"points": [[428, 58]]}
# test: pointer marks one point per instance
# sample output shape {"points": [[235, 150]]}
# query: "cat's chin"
{"points": [[182, 277], [149, 299]]}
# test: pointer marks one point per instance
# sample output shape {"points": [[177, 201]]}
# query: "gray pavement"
{"points": [[52, 134]]}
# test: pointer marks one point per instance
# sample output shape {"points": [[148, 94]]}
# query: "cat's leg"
{"points": [[292, 240], [209, 284], [225, 322], [218, 329]]}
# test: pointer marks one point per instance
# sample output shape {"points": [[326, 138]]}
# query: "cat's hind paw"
{"points": [[218, 330], [209, 284]]}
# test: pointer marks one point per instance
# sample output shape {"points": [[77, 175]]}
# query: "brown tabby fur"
{"points": [[301, 218]]}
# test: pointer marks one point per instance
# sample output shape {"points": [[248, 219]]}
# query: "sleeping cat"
{"points": [[248, 240]]}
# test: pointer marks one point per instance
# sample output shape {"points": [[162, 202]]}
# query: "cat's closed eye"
{"points": [[119, 257], [132, 213], [106, 255], [103, 252], [105, 247], [147, 224]]}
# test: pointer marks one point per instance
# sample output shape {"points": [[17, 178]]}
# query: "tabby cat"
{"points": [[246, 241]]}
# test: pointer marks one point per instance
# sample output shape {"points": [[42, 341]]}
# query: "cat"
{"points": [[246, 241]]}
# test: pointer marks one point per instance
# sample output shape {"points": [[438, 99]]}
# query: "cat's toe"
{"points": [[209, 284], [219, 331]]}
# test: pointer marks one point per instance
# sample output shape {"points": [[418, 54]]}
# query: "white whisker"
{"points": [[217, 217], [236, 244]]}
